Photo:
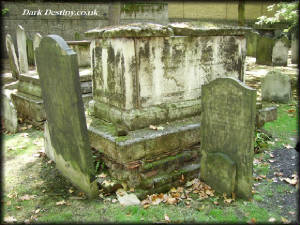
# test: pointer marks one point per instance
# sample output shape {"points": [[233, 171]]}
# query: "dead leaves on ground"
{"points": [[152, 127], [184, 194]]}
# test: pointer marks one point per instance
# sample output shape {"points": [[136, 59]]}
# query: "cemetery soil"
{"points": [[34, 191]]}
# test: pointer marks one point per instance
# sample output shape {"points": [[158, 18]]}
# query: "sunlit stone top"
{"points": [[172, 29]]}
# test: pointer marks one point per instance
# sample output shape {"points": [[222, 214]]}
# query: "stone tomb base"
{"points": [[150, 161], [28, 99]]}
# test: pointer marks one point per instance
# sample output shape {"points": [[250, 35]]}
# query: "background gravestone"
{"points": [[30, 52], [22, 50], [276, 87], [227, 136], [264, 48], [280, 52], [59, 76], [13, 60], [36, 42]]}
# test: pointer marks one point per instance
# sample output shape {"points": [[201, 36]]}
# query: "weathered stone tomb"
{"points": [[147, 81]]}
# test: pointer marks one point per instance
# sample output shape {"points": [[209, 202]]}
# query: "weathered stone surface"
{"points": [[266, 115], [128, 199], [227, 126], [276, 87], [13, 60], [280, 52], [82, 48], [131, 30], [264, 50], [206, 29], [295, 48], [59, 77], [9, 115], [30, 51], [220, 172], [251, 43], [36, 42], [139, 81], [22, 50]]}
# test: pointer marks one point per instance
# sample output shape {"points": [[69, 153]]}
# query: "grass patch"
{"points": [[285, 126]]}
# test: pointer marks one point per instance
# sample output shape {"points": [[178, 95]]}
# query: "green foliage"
{"points": [[4, 11], [284, 12], [261, 141]]}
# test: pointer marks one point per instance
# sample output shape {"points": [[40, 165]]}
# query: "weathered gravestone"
{"points": [[30, 51], [59, 77], [22, 50], [227, 136], [251, 39], [13, 60], [276, 87], [280, 52], [264, 48], [36, 42]]}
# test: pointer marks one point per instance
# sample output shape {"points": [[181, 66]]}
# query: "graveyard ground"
{"points": [[34, 191]]}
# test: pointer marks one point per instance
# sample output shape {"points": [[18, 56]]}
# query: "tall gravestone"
{"points": [[264, 48], [227, 136], [30, 52], [22, 50], [36, 42], [59, 77], [13, 60]]}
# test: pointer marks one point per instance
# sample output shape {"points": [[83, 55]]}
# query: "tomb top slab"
{"points": [[131, 30], [157, 30], [84, 42]]}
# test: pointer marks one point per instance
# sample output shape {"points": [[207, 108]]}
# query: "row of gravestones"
{"points": [[227, 124], [22, 97], [271, 50]]}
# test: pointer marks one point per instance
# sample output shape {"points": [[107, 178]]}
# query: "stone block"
{"points": [[266, 115], [276, 87]]}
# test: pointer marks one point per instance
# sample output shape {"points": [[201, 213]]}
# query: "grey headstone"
{"points": [[59, 77], [13, 60], [36, 42], [276, 87], [280, 52], [227, 134], [22, 50], [9, 115], [251, 39]]}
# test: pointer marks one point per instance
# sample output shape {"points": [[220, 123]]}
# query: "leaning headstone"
{"points": [[227, 136], [280, 52], [9, 115], [30, 52], [264, 48], [13, 60], [276, 87], [36, 42], [22, 50], [59, 77]]}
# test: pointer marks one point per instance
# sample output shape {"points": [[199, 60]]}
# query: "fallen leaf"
{"points": [[153, 127], [253, 220], [146, 206], [290, 181], [272, 219], [63, 202], [288, 146], [8, 203], [71, 190], [18, 207], [10, 219], [27, 197], [284, 220], [24, 135], [114, 200], [37, 211], [102, 175], [167, 218], [160, 128], [121, 192], [171, 201], [271, 160], [29, 126], [216, 203], [131, 189]]}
